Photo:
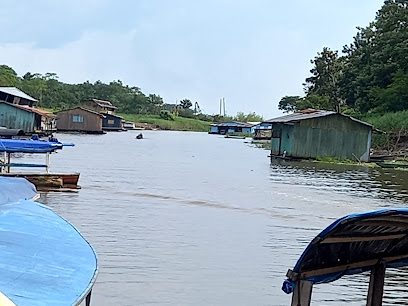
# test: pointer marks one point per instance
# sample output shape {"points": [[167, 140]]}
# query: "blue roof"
{"points": [[354, 244], [44, 260], [28, 146]]}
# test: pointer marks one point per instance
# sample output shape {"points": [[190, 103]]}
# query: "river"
{"points": [[183, 218]]}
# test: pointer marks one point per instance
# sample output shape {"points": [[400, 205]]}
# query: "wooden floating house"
{"points": [[99, 106], [112, 122], [356, 243], [44, 259], [231, 128], [263, 131], [80, 119], [318, 133]]}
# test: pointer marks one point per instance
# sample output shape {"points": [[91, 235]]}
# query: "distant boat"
{"points": [[128, 125], [235, 137], [392, 165]]}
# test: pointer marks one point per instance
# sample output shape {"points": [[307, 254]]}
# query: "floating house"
{"points": [[263, 131], [231, 127], [80, 120], [112, 122], [99, 106], [14, 95], [318, 133], [26, 118]]}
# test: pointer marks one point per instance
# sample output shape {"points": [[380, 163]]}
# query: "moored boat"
{"points": [[371, 241], [392, 165], [44, 259]]}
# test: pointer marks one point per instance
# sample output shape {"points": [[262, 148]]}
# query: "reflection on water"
{"points": [[195, 219]]}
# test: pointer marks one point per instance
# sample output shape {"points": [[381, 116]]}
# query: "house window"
{"points": [[111, 121], [77, 118]]}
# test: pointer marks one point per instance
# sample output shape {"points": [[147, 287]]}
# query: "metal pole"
{"points": [[8, 162]]}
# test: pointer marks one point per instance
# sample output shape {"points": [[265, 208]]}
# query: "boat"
{"points": [[392, 165], [235, 136], [44, 259], [370, 241], [43, 181], [128, 125]]}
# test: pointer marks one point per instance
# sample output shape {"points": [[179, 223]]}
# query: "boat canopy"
{"points": [[28, 146], [15, 190], [44, 260], [351, 245]]}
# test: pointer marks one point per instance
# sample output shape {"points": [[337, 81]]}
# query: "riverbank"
{"points": [[154, 122]]}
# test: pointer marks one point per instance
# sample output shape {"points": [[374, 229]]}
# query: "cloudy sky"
{"points": [[251, 52]]}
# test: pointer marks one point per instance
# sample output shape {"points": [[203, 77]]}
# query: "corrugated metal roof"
{"points": [[309, 114], [233, 123], [104, 103], [16, 92], [38, 111]]}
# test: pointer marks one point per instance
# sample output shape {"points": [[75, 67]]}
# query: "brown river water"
{"points": [[182, 218]]}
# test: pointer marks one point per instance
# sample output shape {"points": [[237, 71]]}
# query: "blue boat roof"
{"points": [[353, 244], [44, 260], [28, 146]]}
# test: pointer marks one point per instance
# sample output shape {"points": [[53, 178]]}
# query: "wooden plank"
{"points": [[376, 287], [385, 223], [355, 265], [23, 165], [302, 294], [361, 238]]}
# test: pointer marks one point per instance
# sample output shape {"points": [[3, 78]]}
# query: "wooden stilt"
{"points": [[88, 299], [376, 287], [302, 294], [47, 162], [8, 162]]}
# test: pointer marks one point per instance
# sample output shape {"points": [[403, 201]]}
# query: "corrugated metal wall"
{"points": [[14, 118], [335, 136]]}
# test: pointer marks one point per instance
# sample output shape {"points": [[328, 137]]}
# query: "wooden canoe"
{"points": [[49, 181]]}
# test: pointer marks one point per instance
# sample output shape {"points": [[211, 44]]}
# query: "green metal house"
{"points": [[318, 133], [14, 117]]}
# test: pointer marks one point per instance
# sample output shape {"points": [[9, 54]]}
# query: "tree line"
{"points": [[369, 76], [54, 94]]}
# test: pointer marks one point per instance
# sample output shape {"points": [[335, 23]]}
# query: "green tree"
{"points": [[8, 77], [326, 75], [186, 103]]}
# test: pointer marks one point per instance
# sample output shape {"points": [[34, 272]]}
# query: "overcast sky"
{"points": [[250, 52]]}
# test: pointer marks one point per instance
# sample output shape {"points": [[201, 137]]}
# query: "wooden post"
{"points": [[9, 162], [376, 287], [88, 299], [47, 158], [302, 294]]}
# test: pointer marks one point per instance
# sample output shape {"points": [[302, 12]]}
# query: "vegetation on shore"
{"points": [[368, 80], [178, 123]]}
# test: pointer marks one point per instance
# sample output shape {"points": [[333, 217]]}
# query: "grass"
{"points": [[334, 160], [394, 124], [178, 124]]}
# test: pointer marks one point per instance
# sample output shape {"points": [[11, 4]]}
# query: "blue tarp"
{"points": [[15, 189], [322, 254], [28, 146], [44, 260]]}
